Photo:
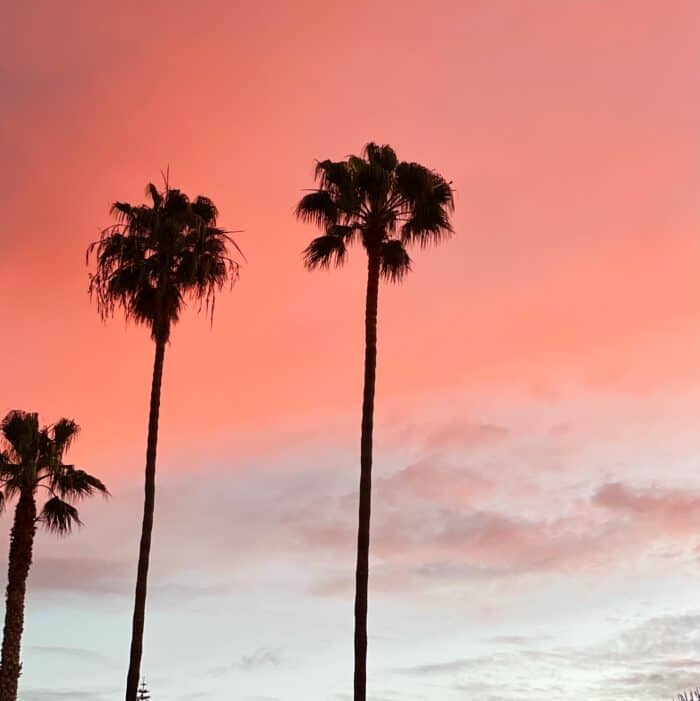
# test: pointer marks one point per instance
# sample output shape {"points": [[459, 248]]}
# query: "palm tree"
{"points": [[32, 458], [154, 257], [387, 206]]}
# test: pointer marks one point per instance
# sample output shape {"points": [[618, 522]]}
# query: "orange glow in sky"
{"points": [[570, 133]]}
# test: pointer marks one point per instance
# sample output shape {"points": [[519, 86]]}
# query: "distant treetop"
{"points": [[144, 694]]}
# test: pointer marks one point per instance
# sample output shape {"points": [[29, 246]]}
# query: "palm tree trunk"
{"points": [[20, 560], [362, 570], [132, 679]]}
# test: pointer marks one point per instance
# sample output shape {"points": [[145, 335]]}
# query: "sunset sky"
{"points": [[536, 523]]}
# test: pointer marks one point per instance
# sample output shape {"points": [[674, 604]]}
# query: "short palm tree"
{"points": [[144, 694], [148, 263], [31, 459], [387, 206]]}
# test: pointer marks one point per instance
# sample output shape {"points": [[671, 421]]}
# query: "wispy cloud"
{"points": [[75, 653], [66, 695], [261, 658], [81, 574], [651, 660]]}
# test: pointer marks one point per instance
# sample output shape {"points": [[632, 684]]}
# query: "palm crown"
{"points": [[32, 457], [157, 254], [387, 204]]}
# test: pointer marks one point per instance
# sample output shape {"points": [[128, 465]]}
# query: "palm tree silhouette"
{"points": [[148, 263], [386, 205], [31, 458]]}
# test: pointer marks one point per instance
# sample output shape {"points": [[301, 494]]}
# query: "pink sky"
{"points": [[565, 312]]}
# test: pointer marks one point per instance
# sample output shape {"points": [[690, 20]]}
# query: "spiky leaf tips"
{"points": [[692, 695], [157, 255], [387, 204], [32, 468], [32, 458]]}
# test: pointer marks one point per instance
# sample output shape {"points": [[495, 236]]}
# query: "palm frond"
{"points": [[206, 210], [443, 193], [34, 458], [395, 261], [21, 431], [64, 432], [429, 202], [175, 201], [157, 256], [122, 211], [319, 208], [155, 196], [204, 266], [333, 175], [13, 485], [429, 224], [380, 201], [372, 181], [12, 475], [75, 484], [345, 232], [383, 155], [413, 181], [59, 516], [324, 252]]}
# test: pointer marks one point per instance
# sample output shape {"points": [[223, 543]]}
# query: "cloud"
{"points": [[443, 539], [264, 657], [654, 509], [261, 658], [651, 660], [440, 517], [423, 537], [449, 667], [65, 695], [75, 653], [428, 480], [98, 577], [521, 640], [78, 574], [480, 500], [462, 433], [454, 433]]}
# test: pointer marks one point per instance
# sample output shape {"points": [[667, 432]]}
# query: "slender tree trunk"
{"points": [[20, 560], [132, 679], [362, 571]]}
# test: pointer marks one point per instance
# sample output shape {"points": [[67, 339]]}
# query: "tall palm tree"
{"points": [[148, 263], [31, 458], [387, 206]]}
